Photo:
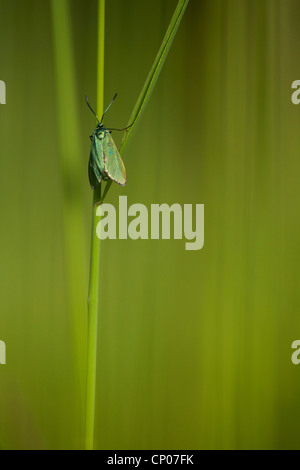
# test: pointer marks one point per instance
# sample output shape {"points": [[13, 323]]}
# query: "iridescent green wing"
{"points": [[113, 163], [96, 163]]}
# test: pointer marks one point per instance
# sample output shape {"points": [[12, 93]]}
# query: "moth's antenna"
{"points": [[109, 106], [124, 128], [87, 102]]}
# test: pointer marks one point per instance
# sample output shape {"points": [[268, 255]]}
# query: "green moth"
{"points": [[105, 162]]}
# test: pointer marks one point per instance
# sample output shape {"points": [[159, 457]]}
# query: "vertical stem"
{"points": [[72, 208], [93, 299], [101, 38], [93, 302]]}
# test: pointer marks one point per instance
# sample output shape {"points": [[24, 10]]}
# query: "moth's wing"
{"points": [[113, 163], [94, 176], [96, 164]]}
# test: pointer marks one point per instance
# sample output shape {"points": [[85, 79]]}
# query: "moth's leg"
{"points": [[99, 201]]}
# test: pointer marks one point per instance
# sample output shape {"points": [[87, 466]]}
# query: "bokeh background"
{"points": [[194, 347]]}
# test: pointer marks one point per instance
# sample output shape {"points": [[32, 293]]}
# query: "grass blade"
{"points": [[72, 167], [152, 77], [93, 299]]}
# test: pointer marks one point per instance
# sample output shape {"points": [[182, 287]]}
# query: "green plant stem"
{"points": [[93, 299], [93, 304], [72, 168], [155, 70], [101, 53]]}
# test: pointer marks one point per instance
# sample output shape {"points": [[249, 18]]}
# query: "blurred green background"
{"points": [[194, 347]]}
